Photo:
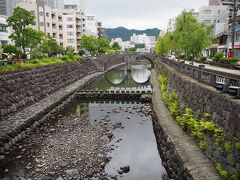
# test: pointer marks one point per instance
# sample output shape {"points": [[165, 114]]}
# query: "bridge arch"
{"points": [[133, 57]]}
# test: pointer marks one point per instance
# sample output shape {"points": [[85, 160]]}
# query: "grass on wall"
{"points": [[39, 62]]}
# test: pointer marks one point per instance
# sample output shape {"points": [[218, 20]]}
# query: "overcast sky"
{"points": [[139, 14]]}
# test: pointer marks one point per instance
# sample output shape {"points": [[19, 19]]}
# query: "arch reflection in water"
{"points": [[140, 73], [116, 77]]}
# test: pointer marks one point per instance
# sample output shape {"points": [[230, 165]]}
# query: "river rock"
{"points": [[72, 172], [125, 169], [60, 178]]}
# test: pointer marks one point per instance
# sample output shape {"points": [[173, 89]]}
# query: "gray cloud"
{"points": [[139, 14]]}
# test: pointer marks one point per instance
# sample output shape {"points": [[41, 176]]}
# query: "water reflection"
{"points": [[117, 76], [136, 75], [140, 73]]}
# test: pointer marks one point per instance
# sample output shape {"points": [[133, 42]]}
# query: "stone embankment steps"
{"points": [[17, 126], [196, 164]]}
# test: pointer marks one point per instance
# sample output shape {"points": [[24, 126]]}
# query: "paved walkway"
{"points": [[194, 160], [215, 68]]}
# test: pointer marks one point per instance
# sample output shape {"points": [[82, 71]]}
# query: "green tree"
{"points": [[191, 36], [165, 44], [133, 49], [11, 49], [116, 46], [32, 38], [50, 46], [103, 45], [89, 43], [20, 21]]}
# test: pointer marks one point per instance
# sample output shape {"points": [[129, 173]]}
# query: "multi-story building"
{"points": [[5, 31], [214, 2], [143, 42], [91, 25], [101, 30], [66, 26], [210, 15], [223, 31]]}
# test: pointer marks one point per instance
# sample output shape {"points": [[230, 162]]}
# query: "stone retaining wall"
{"points": [[20, 89], [224, 109], [24, 88], [172, 161]]}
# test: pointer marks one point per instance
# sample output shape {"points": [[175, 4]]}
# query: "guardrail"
{"points": [[222, 81]]}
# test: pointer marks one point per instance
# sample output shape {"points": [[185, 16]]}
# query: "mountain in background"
{"points": [[125, 34]]}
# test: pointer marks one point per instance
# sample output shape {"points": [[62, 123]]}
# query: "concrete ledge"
{"points": [[195, 163]]}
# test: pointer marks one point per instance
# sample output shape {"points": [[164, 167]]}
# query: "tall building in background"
{"points": [[5, 31], [214, 3], [65, 25], [91, 25], [3, 7]]}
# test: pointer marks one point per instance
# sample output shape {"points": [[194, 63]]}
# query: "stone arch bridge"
{"points": [[134, 57]]}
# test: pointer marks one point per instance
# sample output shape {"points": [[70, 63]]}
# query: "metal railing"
{"points": [[222, 81]]}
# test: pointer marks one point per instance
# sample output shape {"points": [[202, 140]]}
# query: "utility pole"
{"points": [[235, 8]]}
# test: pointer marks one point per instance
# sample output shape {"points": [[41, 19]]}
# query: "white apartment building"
{"points": [[91, 25], [66, 26], [210, 15], [5, 31], [143, 39]]}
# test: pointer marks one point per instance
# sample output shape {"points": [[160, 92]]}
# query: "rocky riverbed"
{"points": [[62, 149], [88, 141]]}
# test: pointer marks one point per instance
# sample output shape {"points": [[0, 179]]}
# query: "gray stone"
{"points": [[231, 159], [60, 178], [51, 173], [72, 172]]}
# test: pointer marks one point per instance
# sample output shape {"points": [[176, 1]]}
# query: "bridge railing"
{"points": [[226, 82]]}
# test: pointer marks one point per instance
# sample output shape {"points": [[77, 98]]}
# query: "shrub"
{"points": [[222, 172], [34, 61], [228, 147], [218, 56], [64, 58], [78, 58], [203, 59], [230, 60], [238, 145], [70, 55]]}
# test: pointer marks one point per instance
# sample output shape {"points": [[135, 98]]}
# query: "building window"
{"points": [[70, 33], [207, 21], [207, 11], [70, 6], [47, 14], [70, 19], [3, 28], [70, 40], [70, 26], [48, 24]]}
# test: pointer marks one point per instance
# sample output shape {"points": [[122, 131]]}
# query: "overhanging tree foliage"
{"points": [[189, 38]]}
